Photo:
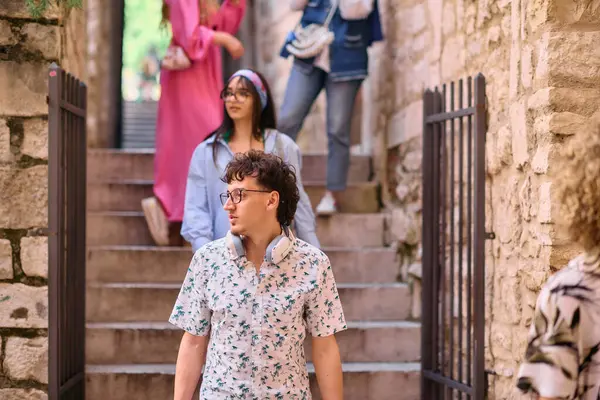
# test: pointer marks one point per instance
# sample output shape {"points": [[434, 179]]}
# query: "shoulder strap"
{"points": [[334, 6]]}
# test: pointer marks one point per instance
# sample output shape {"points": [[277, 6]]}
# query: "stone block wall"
{"points": [[543, 85], [27, 47]]}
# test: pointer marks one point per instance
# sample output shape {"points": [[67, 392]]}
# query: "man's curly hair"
{"points": [[271, 173], [579, 188]]}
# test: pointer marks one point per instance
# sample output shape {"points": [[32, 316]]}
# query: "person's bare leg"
{"points": [[157, 221]]}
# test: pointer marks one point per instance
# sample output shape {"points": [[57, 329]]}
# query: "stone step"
{"points": [[362, 381], [110, 164], [169, 264], [131, 302], [340, 230], [126, 195], [128, 343]]}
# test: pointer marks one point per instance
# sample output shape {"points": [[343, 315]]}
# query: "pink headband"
{"points": [[256, 81]]}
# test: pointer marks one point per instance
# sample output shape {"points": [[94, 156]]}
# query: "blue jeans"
{"points": [[303, 87]]}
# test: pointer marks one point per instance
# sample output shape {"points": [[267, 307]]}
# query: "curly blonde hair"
{"points": [[579, 186]]}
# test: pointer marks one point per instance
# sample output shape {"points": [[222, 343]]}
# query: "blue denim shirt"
{"points": [[205, 220], [348, 53]]}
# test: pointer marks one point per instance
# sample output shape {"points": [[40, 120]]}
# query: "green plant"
{"points": [[38, 7]]}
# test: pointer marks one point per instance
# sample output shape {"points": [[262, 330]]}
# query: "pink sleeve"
{"points": [[230, 16], [196, 40]]}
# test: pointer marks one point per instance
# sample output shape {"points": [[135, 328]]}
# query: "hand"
{"points": [[234, 47]]}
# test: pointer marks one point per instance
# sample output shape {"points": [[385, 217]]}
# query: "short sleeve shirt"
{"points": [[257, 322], [563, 358]]}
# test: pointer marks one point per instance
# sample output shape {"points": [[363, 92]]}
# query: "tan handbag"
{"points": [[311, 40]]}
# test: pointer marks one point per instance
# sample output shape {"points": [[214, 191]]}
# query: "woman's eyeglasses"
{"points": [[239, 95], [236, 195]]}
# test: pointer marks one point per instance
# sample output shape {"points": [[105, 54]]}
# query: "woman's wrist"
{"points": [[220, 38]]}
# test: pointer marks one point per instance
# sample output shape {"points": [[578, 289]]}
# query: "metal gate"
{"points": [[453, 323], [67, 147]]}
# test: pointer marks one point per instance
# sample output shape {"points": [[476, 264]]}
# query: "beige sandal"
{"points": [[157, 221]]}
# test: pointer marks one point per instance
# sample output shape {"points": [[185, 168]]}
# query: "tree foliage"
{"points": [[38, 7], [142, 31]]}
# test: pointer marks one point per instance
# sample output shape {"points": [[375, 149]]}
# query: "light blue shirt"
{"points": [[204, 219]]}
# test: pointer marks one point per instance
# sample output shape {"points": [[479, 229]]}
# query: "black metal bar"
{"points": [[479, 244], [73, 109], [82, 229], [72, 212], [470, 233], [447, 382], [72, 382], [446, 116], [54, 377], [427, 344], [452, 233], [441, 231], [460, 234], [437, 267]]}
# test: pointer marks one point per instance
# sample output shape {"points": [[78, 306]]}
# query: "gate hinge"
{"points": [[490, 236]]}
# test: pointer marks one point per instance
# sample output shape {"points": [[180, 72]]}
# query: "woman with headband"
{"points": [[189, 108], [248, 123]]}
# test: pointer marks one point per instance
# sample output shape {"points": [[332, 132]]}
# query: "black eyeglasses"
{"points": [[236, 195], [238, 95]]}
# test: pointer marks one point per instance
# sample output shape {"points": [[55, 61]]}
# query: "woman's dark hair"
{"points": [[271, 173], [261, 119]]}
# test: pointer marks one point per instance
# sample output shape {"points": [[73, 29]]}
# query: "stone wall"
{"points": [[27, 47], [543, 82]]}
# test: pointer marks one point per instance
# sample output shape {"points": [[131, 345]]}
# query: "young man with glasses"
{"points": [[248, 299]]}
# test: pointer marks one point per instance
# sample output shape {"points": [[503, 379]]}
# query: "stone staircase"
{"points": [[132, 285]]}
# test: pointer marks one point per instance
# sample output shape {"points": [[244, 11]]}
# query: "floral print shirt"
{"points": [[562, 359], [258, 322]]}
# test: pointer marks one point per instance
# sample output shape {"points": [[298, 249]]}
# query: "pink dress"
{"points": [[189, 108]]}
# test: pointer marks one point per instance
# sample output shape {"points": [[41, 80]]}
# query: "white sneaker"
{"points": [[157, 221], [327, 205]]}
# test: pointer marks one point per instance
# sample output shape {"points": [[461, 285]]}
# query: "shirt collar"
{"points": [[277, 250]]}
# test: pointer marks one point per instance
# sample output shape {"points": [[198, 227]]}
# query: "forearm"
{"points": [[190, 359], [328, 368], [298, 5], [220, 38]]}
